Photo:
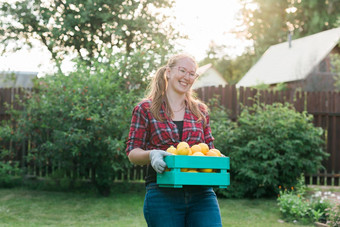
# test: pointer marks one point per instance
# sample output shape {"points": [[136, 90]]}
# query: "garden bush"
{"points": [[333, 214], [9, 167], [271, 145], [78, 124], [295, 207], [222, 127]]}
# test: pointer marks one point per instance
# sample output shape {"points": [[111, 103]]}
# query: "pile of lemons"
{"points": [[201, 149]]}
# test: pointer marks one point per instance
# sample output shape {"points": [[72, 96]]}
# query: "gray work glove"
{"points": [[157, 160]]}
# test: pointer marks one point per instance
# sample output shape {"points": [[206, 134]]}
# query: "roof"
{"points": [[203, 69], [281, 63], [17, 79], [208, 76]]}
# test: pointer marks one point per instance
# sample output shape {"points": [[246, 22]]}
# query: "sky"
{"points": [[203, 21]]}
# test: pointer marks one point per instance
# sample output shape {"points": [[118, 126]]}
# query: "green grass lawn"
{"points": [[25, 207]]}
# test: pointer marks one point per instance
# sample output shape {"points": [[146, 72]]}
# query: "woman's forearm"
{"points": [[139, 156]]}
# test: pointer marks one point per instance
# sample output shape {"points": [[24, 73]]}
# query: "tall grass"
{"points": [[26, 207]]}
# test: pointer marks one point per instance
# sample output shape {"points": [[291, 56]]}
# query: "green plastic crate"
{"points": [[176, 179]]}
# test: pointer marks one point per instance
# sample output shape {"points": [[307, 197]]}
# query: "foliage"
{"points": [[261, 86], [87, 28], [313, 16], [268, 141], [221, 126], [281, 87], [231, 68], [295, 207], [335, 59], [79, 123], [278, 87], [7, 170], [9, 167], [297, 204], [268, 22], [333, 219]]}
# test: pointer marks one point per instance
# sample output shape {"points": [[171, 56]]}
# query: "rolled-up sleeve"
{"points": [[138, 129]]}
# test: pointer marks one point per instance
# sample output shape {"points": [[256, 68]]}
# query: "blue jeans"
{"points": [[179, 207]]}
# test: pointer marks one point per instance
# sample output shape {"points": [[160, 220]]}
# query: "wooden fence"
{"points": [[324, 106], [8, 97]]}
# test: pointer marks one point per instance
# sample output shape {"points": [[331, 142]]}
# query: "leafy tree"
{"points": [[80, 123], [87, 28], [312, 16], [268, 22]]}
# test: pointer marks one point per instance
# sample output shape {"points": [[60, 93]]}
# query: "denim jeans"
{"points": [[179, 207]]}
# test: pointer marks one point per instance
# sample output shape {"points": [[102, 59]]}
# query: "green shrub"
{"points": [[79, 123], [9, 167], [293, 207], [271, 146], [221, 126], [296, 205], [333, 214]]}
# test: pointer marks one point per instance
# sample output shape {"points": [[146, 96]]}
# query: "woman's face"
{"points": [[181, 76]]}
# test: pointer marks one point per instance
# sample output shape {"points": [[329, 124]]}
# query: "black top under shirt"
{"points": [[151, 173], [179, 125]]}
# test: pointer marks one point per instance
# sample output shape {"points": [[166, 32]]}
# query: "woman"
{"points": [[166, 117]]}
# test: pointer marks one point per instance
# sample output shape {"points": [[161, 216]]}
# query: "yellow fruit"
{"points": [[183, 150], [196, 148], [211, 153], [171, 150], [192, 171], [182, 144], [190, 151], [204, 148], [217, 152], [206, 170], [188, 170], [198, 154]]}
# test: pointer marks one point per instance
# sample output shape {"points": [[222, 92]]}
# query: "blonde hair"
{"points": [[157, 93]]}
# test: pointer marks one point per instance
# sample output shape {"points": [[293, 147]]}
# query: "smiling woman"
{"points": [[168, 116]]}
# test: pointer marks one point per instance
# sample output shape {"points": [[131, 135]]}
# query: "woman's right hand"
{"points": [[157, 160]]}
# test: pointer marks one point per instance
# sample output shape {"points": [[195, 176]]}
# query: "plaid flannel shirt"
{"points": [[148, 133]]}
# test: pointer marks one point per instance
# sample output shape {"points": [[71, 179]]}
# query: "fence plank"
{"points": [[336, 145]]}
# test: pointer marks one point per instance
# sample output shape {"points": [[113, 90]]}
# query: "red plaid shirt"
{"points": [[148, 133]]}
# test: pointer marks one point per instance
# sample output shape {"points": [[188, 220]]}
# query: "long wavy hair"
{"points": [[157, 93]]}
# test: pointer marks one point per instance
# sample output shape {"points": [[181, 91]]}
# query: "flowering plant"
{"points": [[333, 216], [295, 205]]}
